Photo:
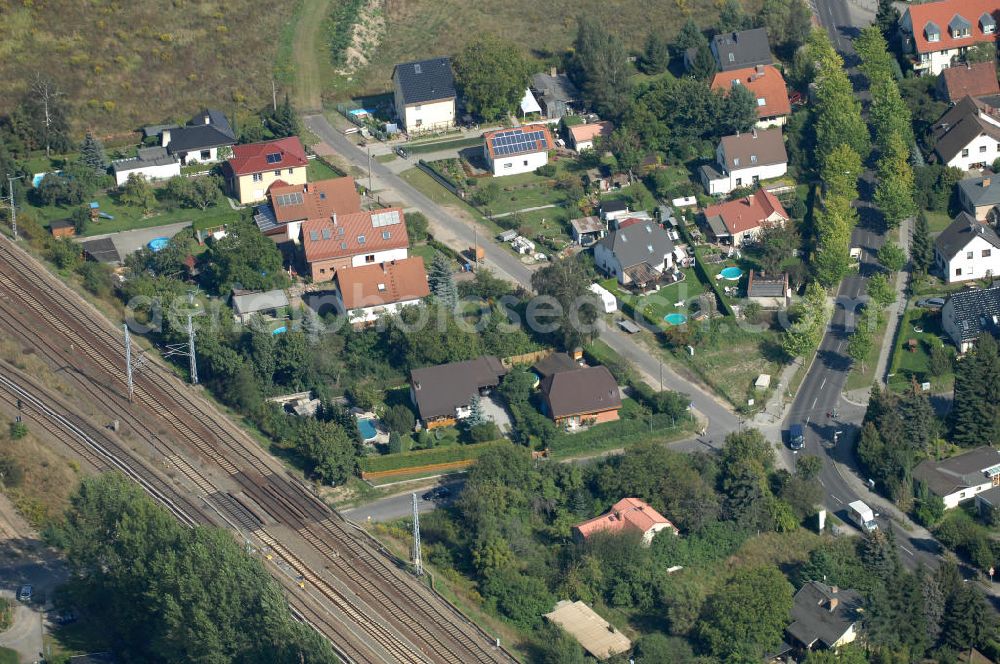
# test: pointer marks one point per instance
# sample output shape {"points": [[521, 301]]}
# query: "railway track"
{"points": [[370, 607]]}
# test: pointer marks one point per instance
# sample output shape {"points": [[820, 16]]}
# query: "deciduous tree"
{"points": [[491, 75]]}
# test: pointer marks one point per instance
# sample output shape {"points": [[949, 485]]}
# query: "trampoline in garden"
{"points": [[675, 319], [731, 273], [158, 243], [367, 429]]}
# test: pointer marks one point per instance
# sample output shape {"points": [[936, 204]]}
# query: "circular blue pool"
{"points": [[731, 273], [675, 319], [158, 243]]}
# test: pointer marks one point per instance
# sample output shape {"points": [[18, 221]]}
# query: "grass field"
{"points": [[8, 656], [317, 170], [861, 377], [310, 60], [906, 365]]}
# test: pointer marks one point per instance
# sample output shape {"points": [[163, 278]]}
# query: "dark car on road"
{"points": [[437, 493], [401, 151], [24, 593], [796, 437]]}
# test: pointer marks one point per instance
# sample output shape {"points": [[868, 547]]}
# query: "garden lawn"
{"points": [[655, 306], [426, 252], [319, 170], [859, 379], [8, 656], [635, 426], [906, 366], [937, 221], [552, 223]]}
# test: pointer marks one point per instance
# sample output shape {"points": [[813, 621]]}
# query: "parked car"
{"points": [[24, 593], [862, 516], [437, 493], [931, 302], [401, 151], [796, 437]]}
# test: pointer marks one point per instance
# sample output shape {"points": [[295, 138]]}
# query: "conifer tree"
{"points": [[92, 154], [442, 281], [976, 409], [921, 247]]}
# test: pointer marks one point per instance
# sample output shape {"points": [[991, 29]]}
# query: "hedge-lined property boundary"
{"points": [[409, 462]]}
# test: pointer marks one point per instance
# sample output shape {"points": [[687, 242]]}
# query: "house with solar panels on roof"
{"points": [[517, 150], [254, 167], [291, 205], [354, 240], [424, 94]]}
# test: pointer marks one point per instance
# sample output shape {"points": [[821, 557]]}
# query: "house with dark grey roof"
{"points": [[425, 95], [968, 314], [824, 617], [580, 396], [968, 135], [154, 163], [967, 249], [961, 477], [743, 160], [205, 139], [554, 363], [980, 196], [556, 94], [271, 304], [638, 254], [737, 50], [442, 393]]}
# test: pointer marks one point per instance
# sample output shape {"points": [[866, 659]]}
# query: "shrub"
{"points": [[11, 473], [546, 171], [18, 430], [399, 419]]}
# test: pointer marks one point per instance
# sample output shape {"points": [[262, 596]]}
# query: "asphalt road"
{"points": [[505, 264]]}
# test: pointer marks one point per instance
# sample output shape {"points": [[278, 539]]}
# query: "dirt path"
{"points": [[307, 51]]}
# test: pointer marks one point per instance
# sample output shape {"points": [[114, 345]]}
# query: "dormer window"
{"points": [[959, 27], [761, 101], [988, 24], [736, 161], [932, 32], [732, 57]]}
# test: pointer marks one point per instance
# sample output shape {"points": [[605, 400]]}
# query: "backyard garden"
{"points": [[922, 352]]}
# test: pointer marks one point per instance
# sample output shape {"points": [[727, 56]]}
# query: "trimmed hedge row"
{"points": [[427, 457]]}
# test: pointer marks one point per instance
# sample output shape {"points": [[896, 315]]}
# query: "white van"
{"points": [[862, 516]]}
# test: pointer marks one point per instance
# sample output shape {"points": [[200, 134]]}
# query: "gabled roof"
{"points": [[764, 81], [614, 205], [821, 614], [983, 190], [590, 132], [441, 389], [973, 312], [595, 634], [527, 139], [581, 391], [555, 88], [249, 303], [761, 286], [960, 232], [959, 472], [639, 243], [555, 363], [425, 80], [944, 13], [747, 213], [315, 200], [380, 284], [735, 50], [207, 129], [145, 158], [757, 147], [268, 156], [626, 514], [972, 79], [959, 126], [346, 235]]}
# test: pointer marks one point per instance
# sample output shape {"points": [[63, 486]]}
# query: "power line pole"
{"points": [[128, 363], [418, 565], [13, 207], [192, 358]]}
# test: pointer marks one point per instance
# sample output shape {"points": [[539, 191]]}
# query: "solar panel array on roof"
{"points": [[516, 141], [274, 158], [380, 219], [294, 198]]}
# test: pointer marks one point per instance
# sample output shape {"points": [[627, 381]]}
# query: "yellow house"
{"points": [[424, 95], [254, 167]]}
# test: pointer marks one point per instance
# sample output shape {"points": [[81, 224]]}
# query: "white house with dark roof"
{"points": [[980, 196], [968, 135], [637, 255], [968, 314], [961, 477], [151, 163], [967, 249], [743, 160], [424, 93]]}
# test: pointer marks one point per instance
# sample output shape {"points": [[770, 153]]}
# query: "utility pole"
{"points": [[418, 565], [13, 207], [368, 147], [274, 96], [190, 330], [128, 363]]}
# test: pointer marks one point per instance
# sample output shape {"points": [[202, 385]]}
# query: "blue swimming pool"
{"points": [[731, 273], [367, 429], [158, 243], [280, 330], [676, 319]]}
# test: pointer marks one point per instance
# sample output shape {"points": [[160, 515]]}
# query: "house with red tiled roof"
{"points": [[766, 84], [291, 205], [936, 35], [517, 150], [584, 137], [741, 220], [367, 292], [254, 167], [353, 240], [628, 514], [972, 79]]}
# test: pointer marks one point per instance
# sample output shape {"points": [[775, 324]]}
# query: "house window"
{"points": [[982, 148], [386, 235], [206, 154], [968, 255], [965, 152], [257, 177], [289, 171], [508, 165], [525, 162], [322, 270], [987, 253], [761, 101], [418, 122], [370, 258], [739, 182], [417, 107], [361, 239], [277, 173], [958, 272], [732, 57]]}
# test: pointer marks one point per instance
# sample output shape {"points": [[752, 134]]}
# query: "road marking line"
{"points": [[822, 483], [814, 402], [823, 384], [837, 499], [907, 550]]}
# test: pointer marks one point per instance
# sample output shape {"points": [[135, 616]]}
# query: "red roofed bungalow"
{"points": [[628, 514], [741, 220], [254, 167]]}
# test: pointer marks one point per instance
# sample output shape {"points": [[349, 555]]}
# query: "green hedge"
{"points": [[616, 434], [444, 145], [427, 457]]}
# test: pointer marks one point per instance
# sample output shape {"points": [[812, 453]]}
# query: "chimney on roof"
{"points": [[553, 72], [760, 70], [834, 602], [207, 118], [333, 218], [754, 132], [986, 183]]}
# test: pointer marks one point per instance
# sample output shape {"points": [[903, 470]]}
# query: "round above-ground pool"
{"points": [[158, 243], [675, 319], [731, 273]]}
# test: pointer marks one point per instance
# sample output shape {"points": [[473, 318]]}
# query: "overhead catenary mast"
{"points": [[418, 565]]}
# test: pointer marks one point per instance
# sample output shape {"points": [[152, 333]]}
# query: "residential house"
{"points": [[247, 304], [739, 50], [769, 292], [967, 249], [556, 94], [637, 255], [988, 501], [353, 240], [824, 617], [205, 139], [937, 34], [767, 85], [518, 150], [613, 210], [587, 230], [980, 197], [972, 79], [743, 160], [442, 393], [740, 221], [291, 205], [968, 135], [628, 514], [424, 93], [62, 228], [553, 363], [594, 634], [961, 477], [254, 167], [368, 292], [585, 136], [151, 163], [580, 396], [966, 315]]}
